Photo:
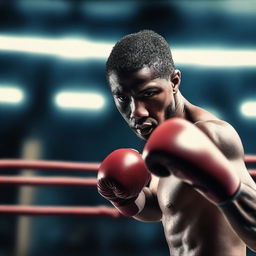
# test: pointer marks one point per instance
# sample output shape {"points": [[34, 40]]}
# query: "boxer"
{"points": [[199, 187]]}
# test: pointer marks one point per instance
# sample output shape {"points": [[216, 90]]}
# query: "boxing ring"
{"points": [[96, 211]]}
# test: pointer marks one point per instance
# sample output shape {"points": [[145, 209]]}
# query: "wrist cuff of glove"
{"points": [[231, 199]]}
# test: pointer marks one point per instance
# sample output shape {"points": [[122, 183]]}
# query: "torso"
{"points": [[193, 226]]}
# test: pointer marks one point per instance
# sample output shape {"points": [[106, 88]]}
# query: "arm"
{"points": [[148, 203], [122, 179], [211, 160], [241, 213]]}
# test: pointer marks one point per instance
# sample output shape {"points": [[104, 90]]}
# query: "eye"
{"points": [[149, 94], [122, 98]]}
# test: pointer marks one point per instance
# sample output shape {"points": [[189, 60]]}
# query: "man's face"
{"points": [[143, 101]]}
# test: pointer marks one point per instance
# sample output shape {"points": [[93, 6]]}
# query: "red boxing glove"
{"points": [[121, 177], [180, 148]]}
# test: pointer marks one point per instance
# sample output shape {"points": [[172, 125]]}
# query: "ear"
{"points": [[175, 79]]}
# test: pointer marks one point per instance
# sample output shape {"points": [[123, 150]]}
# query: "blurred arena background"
{"points": [[55, 103]]}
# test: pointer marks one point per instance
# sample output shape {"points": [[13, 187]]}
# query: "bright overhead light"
{"points": [[10, 95], [81, 49], [63, 47], [79, 100], [248, 109], [215, 57]]}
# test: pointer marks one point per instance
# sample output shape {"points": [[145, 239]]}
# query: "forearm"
{"points": [[149, 210], [241, 214]]}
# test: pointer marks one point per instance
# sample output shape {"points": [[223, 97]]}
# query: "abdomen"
{"points": [[193, 226]]}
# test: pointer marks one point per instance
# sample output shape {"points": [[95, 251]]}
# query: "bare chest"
{"points": [[175, 196], [191, 223]]}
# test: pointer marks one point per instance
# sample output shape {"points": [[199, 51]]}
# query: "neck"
{"points": [[181, 105]]}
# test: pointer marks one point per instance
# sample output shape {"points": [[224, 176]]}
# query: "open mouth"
{"points": [[145, 129]]}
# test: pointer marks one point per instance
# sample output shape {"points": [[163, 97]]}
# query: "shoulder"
{"points": [[224, 136]]}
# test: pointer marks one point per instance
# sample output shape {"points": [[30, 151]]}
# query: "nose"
{"points": [[138, 109]]}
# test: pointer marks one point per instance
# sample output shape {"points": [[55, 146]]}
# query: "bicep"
{"points": [[225, 137]]}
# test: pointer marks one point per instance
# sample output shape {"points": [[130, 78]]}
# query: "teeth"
{"points": [[145, 130], [145, 125]]}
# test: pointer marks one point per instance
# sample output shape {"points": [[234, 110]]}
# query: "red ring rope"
{"points": [[250, 159], [61, 165], [60, 181], [97, 211], [50, 165], [48, 181], [100, 211]]}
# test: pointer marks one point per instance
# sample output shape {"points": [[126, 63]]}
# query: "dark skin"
{"points": [[193, 225]]}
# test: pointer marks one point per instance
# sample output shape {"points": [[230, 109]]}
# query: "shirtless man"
{"points": [[199, 187]]}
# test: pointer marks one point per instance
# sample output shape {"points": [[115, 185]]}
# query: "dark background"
{"points": [[38, 129]]}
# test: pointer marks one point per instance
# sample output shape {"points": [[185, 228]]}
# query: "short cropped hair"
{"points": [[137, 50]]}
